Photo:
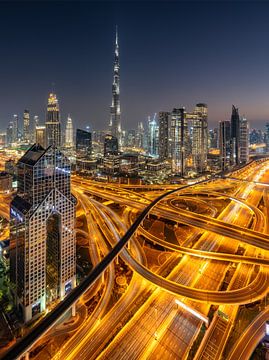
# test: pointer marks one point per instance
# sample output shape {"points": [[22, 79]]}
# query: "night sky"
{"points": [[171, 54]]}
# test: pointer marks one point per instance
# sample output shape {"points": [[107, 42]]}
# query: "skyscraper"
{"points": [[235, 136], [111, 145], [115, 112], [40, 135], [10, 134], [53, 125], [15, 127], [153, 136], [42, 236], [83, 143], [69, 141], [164, 135], [244, 141], [140, 136], [199, 137], [26, 126], [179, 140], [225, 144]]}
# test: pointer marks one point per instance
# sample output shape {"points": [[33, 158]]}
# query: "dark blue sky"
{"points": [[172, 54]]}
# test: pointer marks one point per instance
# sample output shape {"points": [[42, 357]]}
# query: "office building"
{"points": [[40, 135], [225, 144], [53, 125], [69, 141], [164, 135], [111, 145], [115, 111], [179, 141], [26, 126], [83, 144], [42, 236], [244, 141], [235, 136]]}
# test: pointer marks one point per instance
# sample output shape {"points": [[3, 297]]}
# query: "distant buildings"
{"points": [[235, 136], [244, 141], [111, 145], [53, 125], [42, 236]]}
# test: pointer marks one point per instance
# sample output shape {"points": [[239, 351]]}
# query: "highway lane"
{"points": [[250, 338], [119, 344]]}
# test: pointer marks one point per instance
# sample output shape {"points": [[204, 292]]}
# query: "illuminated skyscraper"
{"points": [[244, 141], [42, 236], [69, 141], [83, 143], [40, 135], [15, 136], [10, 134], [164, 135], [140, 136], [153, 136], [26, 126], [115, 112], [111, 145], [53, 126], [235, 136], [225, 144], [199, 137], [179, 140]]}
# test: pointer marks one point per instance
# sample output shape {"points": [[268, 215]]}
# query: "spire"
{"points": [[117, 44]]}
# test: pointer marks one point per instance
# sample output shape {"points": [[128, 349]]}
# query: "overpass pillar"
{"points": [[73, 310]]}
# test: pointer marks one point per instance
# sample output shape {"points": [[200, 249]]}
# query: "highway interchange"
{"points": [[221, 232]]}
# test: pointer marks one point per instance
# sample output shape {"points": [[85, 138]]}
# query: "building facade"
{"points": [[42, 236], [40, 135], [69, 137], [244, 141], [83, 143], [235, 136]]}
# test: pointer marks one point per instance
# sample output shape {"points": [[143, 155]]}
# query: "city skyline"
{"points": [[80, 60]]}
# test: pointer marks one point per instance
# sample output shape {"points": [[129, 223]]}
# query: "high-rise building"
{"points": [[131, 138], [225, 144], [83, 143], [26, 126], [115, 112], [42, 236], [153, 136], [235, 136], [15, 136], [179, 140], [111, 145], [199, 137], [164, 135], [213, 138], [140, 136], [53, 125], [40, 135], [69, 141], [244, 141], [36, 120], [10, 134]]}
